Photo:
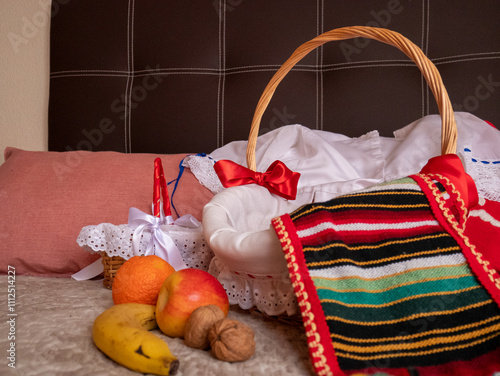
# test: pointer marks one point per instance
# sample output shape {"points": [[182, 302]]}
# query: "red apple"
{"points": [[181, 293]]}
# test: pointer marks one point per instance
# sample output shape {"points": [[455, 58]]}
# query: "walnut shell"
{"points": [[232, 340], [200, 321]]}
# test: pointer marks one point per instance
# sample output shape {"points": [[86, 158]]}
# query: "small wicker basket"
{"points": [[111, 266], [117, 243]]}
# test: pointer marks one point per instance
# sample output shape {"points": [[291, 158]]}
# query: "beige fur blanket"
{"points": [[53, 336]]}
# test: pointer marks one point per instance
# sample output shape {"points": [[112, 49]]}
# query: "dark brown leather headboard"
{"points": [[167, 76]]}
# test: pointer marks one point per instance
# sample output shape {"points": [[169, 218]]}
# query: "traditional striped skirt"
{"points": [[382, 280]]}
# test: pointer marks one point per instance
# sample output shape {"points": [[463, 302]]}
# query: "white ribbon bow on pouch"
{"points": [[160, 244]]}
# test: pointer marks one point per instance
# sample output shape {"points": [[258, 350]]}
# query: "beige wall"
{"points": [[24, 74]]}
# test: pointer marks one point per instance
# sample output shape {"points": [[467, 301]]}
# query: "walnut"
{"points": [[232, 340], [200, 321]]}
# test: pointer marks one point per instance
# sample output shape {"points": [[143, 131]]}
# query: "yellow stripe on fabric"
{"points": [[407, 318], [380, 245], [419, 353], [384, 260], [420, 344], [416, 335], [391, 275], [379, 193], [358, 305], [333, 207], [418, 281]]}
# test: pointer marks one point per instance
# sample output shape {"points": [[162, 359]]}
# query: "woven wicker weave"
{"points": [[111, 266], [428, 69]]}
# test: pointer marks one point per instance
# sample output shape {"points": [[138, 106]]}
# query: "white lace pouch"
{"points": [[116, 240]]}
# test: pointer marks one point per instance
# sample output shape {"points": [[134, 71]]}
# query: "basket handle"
{"points": [[428, 69]]}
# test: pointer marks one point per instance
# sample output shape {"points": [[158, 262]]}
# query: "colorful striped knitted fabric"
{"points": [[381, 283]]}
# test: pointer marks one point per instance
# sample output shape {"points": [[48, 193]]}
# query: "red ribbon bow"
{"points": [[278, 178], [450, 166]]}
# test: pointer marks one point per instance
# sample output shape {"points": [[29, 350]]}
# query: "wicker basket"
{"points": [[428, 69], [111, 266], [185, 247], [115, 245], [430, 73]]}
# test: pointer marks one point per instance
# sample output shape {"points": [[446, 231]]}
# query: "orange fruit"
{"points": [[139, 279]]}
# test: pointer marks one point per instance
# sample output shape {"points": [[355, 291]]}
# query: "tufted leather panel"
{"points": [[165, 76]]}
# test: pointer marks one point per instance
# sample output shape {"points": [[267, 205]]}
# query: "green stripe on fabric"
{"points": [[398, 193], [408, 277], [399, 181], [387, 296], [428, 304]]}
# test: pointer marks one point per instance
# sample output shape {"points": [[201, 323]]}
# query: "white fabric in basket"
{"points": [[332, 164], [248, 257], [239, 224], [250, 263]]}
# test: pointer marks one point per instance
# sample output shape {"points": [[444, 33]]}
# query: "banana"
{"points": [[122, 333]]}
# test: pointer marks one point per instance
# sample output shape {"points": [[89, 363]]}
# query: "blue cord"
{"points": [[176, 180]]}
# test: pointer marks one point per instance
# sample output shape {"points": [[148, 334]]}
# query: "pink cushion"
{"points": [[47, 197]]}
